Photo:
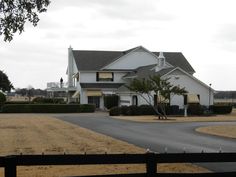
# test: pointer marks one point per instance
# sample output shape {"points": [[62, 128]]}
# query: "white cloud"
{"points": [[203, 30]]}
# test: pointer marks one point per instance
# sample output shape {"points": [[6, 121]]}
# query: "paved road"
{"points": [[159, 137]]}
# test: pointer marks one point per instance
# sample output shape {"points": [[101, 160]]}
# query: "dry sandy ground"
{"points": [[217, 118], [228, 131], [37, 133]]}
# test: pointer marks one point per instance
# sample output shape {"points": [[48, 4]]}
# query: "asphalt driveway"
{"points": [[159, 137]]}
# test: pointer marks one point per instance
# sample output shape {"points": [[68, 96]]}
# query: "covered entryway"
{"points": [[94, 97], [94, 100]]}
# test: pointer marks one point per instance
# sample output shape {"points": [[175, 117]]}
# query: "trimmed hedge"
{"points": [[17, 102], [132, 110], [111, 101], [221, 109], [47, 108], [2, 99], [115, 111], [143, 110], [195, 109]]}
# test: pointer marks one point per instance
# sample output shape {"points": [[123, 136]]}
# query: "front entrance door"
{"points": [[135, 100], [94, 100]]}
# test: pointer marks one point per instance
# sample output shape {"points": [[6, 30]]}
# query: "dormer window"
{"points": [[105, 76]]}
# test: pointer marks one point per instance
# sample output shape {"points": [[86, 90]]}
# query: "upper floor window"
{"points": [[105, 76]]}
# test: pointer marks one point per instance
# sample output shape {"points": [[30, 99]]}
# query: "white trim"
{"points": [[76, 94]]}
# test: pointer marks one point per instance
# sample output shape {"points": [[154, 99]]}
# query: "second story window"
{"points": [[105, 76]]}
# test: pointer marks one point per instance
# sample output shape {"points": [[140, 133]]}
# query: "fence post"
{"points": [[151, 165], [10, 166]]}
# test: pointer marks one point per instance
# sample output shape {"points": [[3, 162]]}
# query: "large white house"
{"points": [[94, 74]]}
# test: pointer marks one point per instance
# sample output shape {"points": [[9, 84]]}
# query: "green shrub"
{"points": [[2, 99], [133, 110], [143, 110], [195, 109], [124, 110], [146, 110], [111, 101], [221, 109], [115, 111], [42, 100], [172, 110], [17, 102], [47, 108]]}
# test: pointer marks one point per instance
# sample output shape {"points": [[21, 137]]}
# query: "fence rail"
{"points": [[150, 159]]}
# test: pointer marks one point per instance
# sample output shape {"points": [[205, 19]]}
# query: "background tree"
{"points": [[5, 84], [24, 91], [14, 14], [2, 99], [162, 88]]}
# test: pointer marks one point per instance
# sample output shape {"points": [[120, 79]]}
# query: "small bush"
{"points": [[115, 111], [133, 110], [174, 110], [221, 109], [124, 110], [146, 110], [195, 109], [2, 99], [47, 108], [111, 101]]}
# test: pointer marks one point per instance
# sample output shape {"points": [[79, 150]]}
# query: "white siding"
{"points": [[125, 100], [192, 86], [133, 60], [90, 77], [83, 97]]}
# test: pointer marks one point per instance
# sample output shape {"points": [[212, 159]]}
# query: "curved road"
{"points": [[159, 137]]}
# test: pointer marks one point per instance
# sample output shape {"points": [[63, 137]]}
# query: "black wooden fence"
{"points": [[150, 159]]}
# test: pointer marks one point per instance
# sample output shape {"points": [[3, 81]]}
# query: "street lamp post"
{"points": [[209, 96]]}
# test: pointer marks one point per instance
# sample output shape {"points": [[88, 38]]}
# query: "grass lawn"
{"points": [[228, 131], [37, 133]]}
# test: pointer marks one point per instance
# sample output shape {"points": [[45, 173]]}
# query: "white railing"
{"points": [[56, 85]]}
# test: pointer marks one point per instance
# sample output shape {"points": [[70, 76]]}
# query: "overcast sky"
{"points": [[203, 30]]}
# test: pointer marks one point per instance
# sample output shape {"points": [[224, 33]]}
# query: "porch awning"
{"points": [[94, 93], [193, 98], [105, 75], [162, 99], [76, 94], [107, 92]]}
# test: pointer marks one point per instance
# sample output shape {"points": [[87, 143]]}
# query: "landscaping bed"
{"points": [[47, 108], [228, 131], [152, 118]]}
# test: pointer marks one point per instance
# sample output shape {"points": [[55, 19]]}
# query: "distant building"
{"points": [[228, 97]]}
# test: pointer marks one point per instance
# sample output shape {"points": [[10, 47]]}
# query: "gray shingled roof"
{"points": [[101, 85], [146, 71], [95, 60]]}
